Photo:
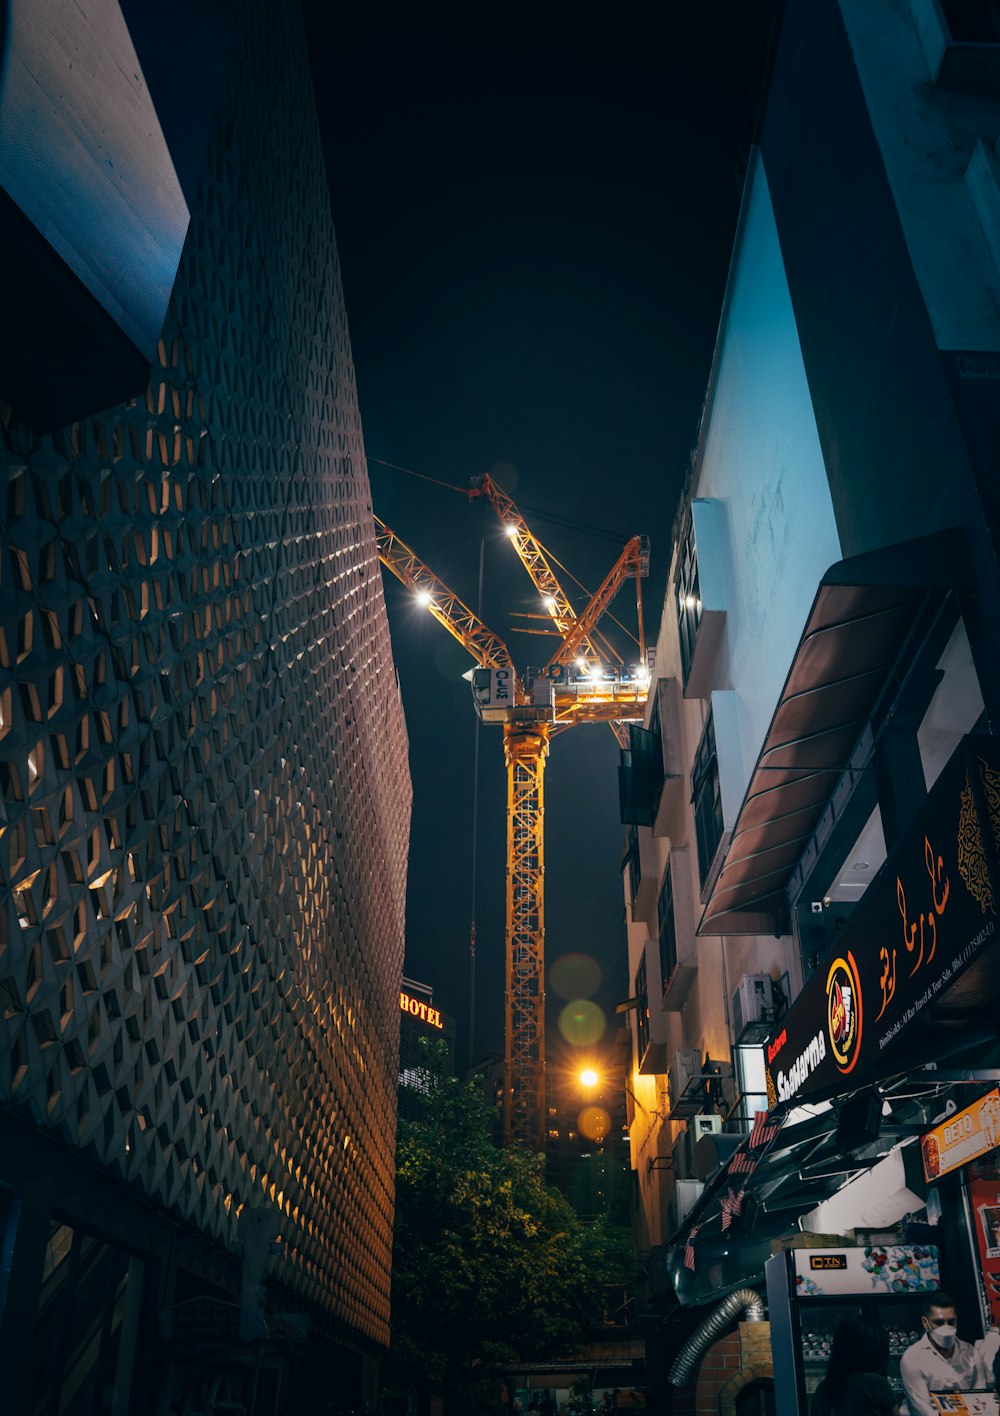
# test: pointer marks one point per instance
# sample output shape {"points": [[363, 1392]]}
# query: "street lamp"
{"points": [[591, 1078]]}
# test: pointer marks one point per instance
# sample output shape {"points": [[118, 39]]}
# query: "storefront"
{"points": [[884, 1116]]}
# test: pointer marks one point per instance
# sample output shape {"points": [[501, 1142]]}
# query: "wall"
{"points": [[202, 746], [928, 137], [760, 457]]}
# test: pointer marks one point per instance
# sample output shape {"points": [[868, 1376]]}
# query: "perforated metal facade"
{"points": [[204, 776]]}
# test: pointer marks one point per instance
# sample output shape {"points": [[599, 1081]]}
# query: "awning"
{"points": [[819, 1148], [865, 609]]}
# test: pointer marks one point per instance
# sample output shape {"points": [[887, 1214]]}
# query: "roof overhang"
{"points": [[865, 611]]}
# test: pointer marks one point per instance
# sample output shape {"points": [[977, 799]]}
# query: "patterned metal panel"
{"points": [[205, 788]]}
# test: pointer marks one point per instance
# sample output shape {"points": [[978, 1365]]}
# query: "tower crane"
{"points": [[576, 685]]}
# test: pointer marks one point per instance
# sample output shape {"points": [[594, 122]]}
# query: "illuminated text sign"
{"points": [[423, 1011]]}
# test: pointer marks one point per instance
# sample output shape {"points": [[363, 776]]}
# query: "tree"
{"points": [[490, 1266]]}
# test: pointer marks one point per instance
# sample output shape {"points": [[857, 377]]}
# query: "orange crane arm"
{"points": [[531, 554], [487, 648], [634, 560]]}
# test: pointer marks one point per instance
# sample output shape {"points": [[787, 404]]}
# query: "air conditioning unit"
{"points": [[680, 1202], [685, 1066], [705, 1123], [753, 1002]]}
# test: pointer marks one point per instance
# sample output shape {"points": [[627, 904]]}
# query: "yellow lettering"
{"points": [[909, 930], [935, 875]]}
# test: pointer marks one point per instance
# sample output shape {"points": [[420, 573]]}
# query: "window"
{"points": [[633, 863], [688, 594], [640, 777], [706, 795], [751, 1080], [973, 21], [642, 1009], [667, 928], [84, 1338]]}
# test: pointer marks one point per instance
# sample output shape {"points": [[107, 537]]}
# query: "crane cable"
{"points": [[475, 827], [567, 521]]}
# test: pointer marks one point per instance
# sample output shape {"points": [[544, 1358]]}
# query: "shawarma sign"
{"points": [[927, 917]]}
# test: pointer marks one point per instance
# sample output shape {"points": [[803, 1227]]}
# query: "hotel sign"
{"points": [[965, 1136], [927, 917], [419, 1009]]}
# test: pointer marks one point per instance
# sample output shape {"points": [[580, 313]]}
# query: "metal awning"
{"points": [[865, 609], [810, 1159]]}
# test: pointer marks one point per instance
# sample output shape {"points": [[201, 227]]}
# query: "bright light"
{"points": [[424, 598], [510, 529], [691, 602], [588, 1077], [550, 605], [642, 674], [581, 664]]}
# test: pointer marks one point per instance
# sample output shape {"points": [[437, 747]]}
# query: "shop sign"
{"points": [[879, 1268], [926, 918], [965, 1136], [418, 1009]]}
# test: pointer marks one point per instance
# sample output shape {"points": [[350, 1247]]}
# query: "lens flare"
{"points": [[575, 976], [594, 1123], [582, 1023]]}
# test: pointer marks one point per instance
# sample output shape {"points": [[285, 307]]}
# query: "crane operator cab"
{"points": [[494, 693]]}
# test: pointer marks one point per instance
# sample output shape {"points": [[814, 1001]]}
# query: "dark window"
{"points": [[706, 795], [632, 862], [688, 600], [642, 1009], [640, 777], [667, 928], [973, 21], [83, 1345]]}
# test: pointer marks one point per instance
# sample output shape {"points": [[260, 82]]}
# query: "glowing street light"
{"points": [[589, 1078]]}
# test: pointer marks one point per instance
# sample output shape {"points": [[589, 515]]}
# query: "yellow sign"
{"points": [[828, 1261], [423, 1011], [963, 1137]]}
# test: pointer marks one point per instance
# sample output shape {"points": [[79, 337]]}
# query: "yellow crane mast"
{"points": [[575, 686]]}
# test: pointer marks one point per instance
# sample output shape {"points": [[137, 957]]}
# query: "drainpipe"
{"points": [[742, 1300]]}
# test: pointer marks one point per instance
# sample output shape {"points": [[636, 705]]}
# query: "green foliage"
{"points": [[489, 1264]]}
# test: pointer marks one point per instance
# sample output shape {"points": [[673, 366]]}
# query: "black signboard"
{"points": [[925, 919]]}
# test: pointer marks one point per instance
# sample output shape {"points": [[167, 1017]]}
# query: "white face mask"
{"points": [[944, 1336]]}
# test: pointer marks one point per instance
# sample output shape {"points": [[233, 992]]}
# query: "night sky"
{"points": [[534, 225]]}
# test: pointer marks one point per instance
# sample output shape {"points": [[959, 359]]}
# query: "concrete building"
{"points": [[811, 807], [203, 755]]}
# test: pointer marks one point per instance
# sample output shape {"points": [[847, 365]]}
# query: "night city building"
{"points": [[420, 1023], [811, 863], [203, 754]]}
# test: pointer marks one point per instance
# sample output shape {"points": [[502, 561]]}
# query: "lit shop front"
{"points": [[888, 1059], [914, 965]]}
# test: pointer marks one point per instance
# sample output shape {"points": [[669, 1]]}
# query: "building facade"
{"points": [[827, 687], [420, 1024], [206, 802]]}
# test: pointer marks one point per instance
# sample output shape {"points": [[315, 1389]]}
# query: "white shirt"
{"points": [[923, 1370]]}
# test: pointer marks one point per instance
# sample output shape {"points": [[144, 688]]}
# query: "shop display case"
{"points": [[810, 1291]]}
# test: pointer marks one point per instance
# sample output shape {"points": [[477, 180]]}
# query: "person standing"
{"points": [[858, 1348], [938, 1361]]}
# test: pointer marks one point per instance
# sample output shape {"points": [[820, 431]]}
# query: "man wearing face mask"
{"points": [[938, 1361]]}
